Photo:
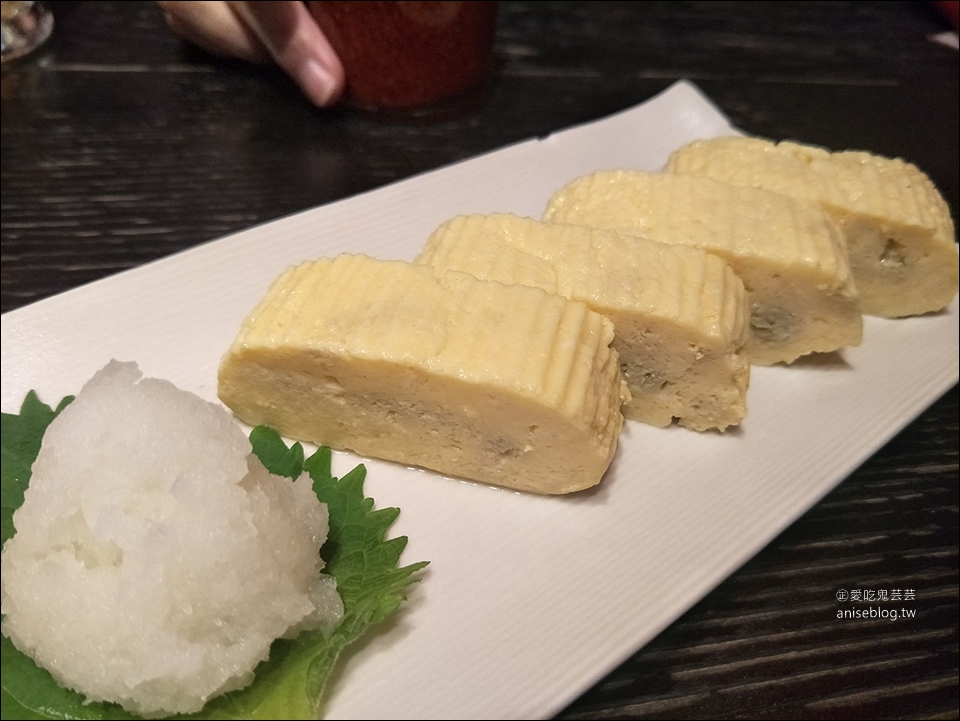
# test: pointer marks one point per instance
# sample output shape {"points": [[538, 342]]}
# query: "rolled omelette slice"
{"points": [[507, 385], [898, 228], [790, 256], [680, 315]]}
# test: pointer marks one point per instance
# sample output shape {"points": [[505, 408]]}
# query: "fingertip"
{"points": [[289, 32], [321, 85]]}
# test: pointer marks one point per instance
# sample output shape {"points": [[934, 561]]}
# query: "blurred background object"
{"points": [[425, 59], [950, 9], [25, 27]]}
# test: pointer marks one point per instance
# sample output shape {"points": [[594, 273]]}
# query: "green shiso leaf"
{"points": [[291, 683]]}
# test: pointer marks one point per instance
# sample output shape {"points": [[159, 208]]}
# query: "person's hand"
{"points": [[282, 32]]}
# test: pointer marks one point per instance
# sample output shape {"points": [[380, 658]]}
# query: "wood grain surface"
{"points": [[121, 145]]}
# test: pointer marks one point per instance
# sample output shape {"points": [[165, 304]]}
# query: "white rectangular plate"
{"points": [[527, 601]]}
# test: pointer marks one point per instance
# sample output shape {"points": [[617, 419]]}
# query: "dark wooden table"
{"points": [[121, 145]]}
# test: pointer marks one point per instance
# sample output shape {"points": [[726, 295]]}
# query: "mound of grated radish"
{"points": [[155, 558]]}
